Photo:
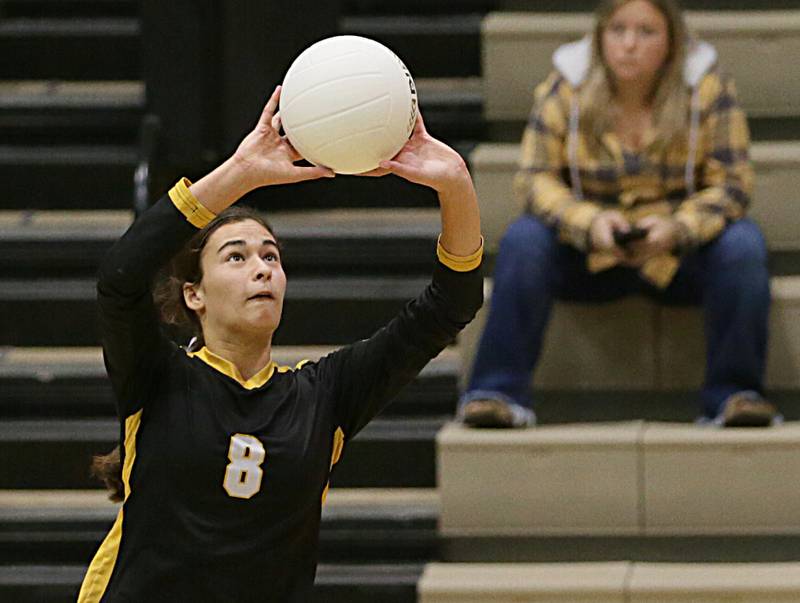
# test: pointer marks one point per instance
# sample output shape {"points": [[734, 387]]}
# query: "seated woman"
{"points": [[635, 176]]}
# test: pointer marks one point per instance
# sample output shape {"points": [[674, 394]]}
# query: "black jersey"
{"points": [[225, 478]]}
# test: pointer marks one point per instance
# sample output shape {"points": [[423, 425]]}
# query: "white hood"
{"points": [[573, 61]]}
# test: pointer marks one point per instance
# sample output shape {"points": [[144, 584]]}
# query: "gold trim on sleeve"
{"points": [[188, 205], [459, 263]]}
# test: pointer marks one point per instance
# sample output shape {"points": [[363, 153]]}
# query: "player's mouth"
{"points": [[264, 295]]}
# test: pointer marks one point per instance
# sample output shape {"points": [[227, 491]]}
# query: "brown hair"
{"points": [[185, 267], [669, 98]]}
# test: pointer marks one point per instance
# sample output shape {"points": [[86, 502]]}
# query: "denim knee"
{"points": [[528, 238], [741, 245]]}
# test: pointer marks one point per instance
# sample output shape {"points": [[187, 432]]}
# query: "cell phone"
{"points": [[625, 238]]}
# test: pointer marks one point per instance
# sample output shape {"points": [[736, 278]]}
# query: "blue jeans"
{"points": [[727, 277]]}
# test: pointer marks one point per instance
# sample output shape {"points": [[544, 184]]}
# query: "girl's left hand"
{"points": [[427, 161], [662, 236]]}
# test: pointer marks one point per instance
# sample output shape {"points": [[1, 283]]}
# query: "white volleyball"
{"points": [[348, 103]]}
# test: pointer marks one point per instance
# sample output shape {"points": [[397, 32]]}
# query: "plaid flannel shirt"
{"points": [[637, 183]]}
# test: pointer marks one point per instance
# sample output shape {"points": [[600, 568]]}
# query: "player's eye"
{"points": [[271, 256], [235, 257]]}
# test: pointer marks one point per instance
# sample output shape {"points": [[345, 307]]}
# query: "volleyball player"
{"points": [[226, 457]]}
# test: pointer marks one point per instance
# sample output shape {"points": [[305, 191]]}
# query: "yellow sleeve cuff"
{"points": [[459, 263], [188, 205]]}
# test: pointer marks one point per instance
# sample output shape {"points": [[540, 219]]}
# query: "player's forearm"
{"points": [[461, 221], [224, 186]]}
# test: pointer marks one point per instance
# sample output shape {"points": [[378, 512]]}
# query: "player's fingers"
{"points": [[294, 154], [419, 125], [269, 109], [312, 173], [276, 122], [376, 173], [401, 169]]}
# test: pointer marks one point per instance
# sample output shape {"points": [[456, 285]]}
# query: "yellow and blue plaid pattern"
{"points": [[637, 183]]}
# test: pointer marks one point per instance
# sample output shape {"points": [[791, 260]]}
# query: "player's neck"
{"points": [[247, 355]]}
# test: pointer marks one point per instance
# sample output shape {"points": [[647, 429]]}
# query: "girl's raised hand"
{"points": [[265, 157], [427, 161]]}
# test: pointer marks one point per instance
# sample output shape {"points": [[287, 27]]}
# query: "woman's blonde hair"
{"points": [[669, 97]]}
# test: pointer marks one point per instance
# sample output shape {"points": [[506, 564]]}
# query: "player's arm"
{"points": [[427, 161], [369, 373], [263, 158], [133, 347], [132, 344]]}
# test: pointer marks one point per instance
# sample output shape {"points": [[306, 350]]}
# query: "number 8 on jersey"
{"points": [[243, 474]]}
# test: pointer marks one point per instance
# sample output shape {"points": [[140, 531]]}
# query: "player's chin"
{"points": [[263, 318]]}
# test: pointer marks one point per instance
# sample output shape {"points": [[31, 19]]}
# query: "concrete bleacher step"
{"points": [[637, 345], [610, 583], [777, 167], [453, 109], [49, 260], [67, 176], [69, 8], [48, 112], [39, 244], [746, 41], [71, 383], [57, 111], [81, 46], [56, 453], [61, 527], [335, 583], [630, 479]]}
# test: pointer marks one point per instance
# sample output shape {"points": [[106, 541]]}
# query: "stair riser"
{"points": [[75, 56]]}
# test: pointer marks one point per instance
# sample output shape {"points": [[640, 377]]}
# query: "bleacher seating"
{"points": [[620, 509]]}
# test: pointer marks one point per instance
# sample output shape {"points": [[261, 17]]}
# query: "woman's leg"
{"points": [[736, 300], [729, 277], [522, 298]]}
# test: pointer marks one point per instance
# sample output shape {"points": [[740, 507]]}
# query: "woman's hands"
{"points": [[601, 232], [427, 161], [265, 157], [662, 237]]}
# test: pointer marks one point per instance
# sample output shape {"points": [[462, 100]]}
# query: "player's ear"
{"points": [[193, 296]]}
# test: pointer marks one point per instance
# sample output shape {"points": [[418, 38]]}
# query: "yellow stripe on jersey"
{"points": [[336, 454], [99, 573], [226, 367], [182, 198], [459, 263]]}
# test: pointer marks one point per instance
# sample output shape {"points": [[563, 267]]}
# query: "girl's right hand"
{"points": [[601, 232], [265, 157]]}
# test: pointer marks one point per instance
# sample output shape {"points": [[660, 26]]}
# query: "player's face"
{"points": [[243, 281], [635, 42]]}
